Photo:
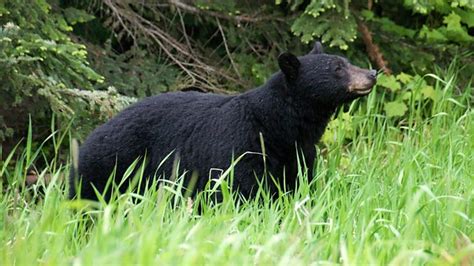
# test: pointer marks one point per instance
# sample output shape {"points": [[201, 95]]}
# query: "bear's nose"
{"points": [[373, 74]]}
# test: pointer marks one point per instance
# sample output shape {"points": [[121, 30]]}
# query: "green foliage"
{"points": [[403, 98], [407, 43], [395, 108], [342, 124], [454, 31], [74, 16], [333, 21], [407, 89], [389, 82], [41, 65], [136, 72], [328, 21]]}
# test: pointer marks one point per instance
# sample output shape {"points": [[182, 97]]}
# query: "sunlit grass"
{"points": [[400, 192]]}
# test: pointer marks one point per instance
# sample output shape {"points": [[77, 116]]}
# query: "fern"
{"points": [[329, 26]]}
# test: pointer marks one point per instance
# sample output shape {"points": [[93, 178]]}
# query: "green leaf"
{"points": [[454, 30], [429, 92], [406, 95], [367, 14], [425, 7], [62, 24], [404, 77], [316, 7], [395, 109], [432, 35], [466, 17], [43, 5], [74, 15], [389, 82], [452, 20], [331, 27], [342, 124]]}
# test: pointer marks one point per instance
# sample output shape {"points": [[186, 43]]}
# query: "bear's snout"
{"points": [[361, 80], [373, 74]]}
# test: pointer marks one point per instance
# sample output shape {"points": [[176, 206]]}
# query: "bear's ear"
{"points": [[289, 65], [317, 49]]}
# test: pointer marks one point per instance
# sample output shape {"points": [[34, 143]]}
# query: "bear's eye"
{"points": [[338, 68]]}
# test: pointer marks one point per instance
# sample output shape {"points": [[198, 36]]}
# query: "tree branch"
{"points": [[238, 19], [372, 49], [180, 54]]}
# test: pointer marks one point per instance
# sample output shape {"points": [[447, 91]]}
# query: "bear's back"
{"points": [[140, 123]]}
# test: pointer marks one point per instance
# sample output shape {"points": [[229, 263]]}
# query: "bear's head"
{"points": [[324, 78]]}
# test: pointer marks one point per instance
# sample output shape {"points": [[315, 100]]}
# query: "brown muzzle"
{"points": [[361, 80]]}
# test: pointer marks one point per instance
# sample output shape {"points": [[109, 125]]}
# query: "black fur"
{"points": [[207, 130]]}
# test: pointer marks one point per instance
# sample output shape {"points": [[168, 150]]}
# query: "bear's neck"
{"points": [[285, 118]]}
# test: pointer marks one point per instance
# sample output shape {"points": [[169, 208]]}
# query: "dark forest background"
{"points": [[69, 64]]}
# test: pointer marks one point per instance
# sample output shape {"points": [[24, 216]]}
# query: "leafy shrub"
{"points": [[412, 34], [43, 68]]}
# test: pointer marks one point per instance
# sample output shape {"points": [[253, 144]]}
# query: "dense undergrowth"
{"points": [[89, 59], [389, 190]]}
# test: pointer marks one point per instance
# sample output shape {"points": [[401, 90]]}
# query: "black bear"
{"points": [[206, 131]]}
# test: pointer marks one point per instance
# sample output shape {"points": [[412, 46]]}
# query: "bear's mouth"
{"points": [[362, 91], [361, 80], [362, 87]]}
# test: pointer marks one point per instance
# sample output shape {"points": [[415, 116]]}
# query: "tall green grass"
{"points": [[401, 192]]}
